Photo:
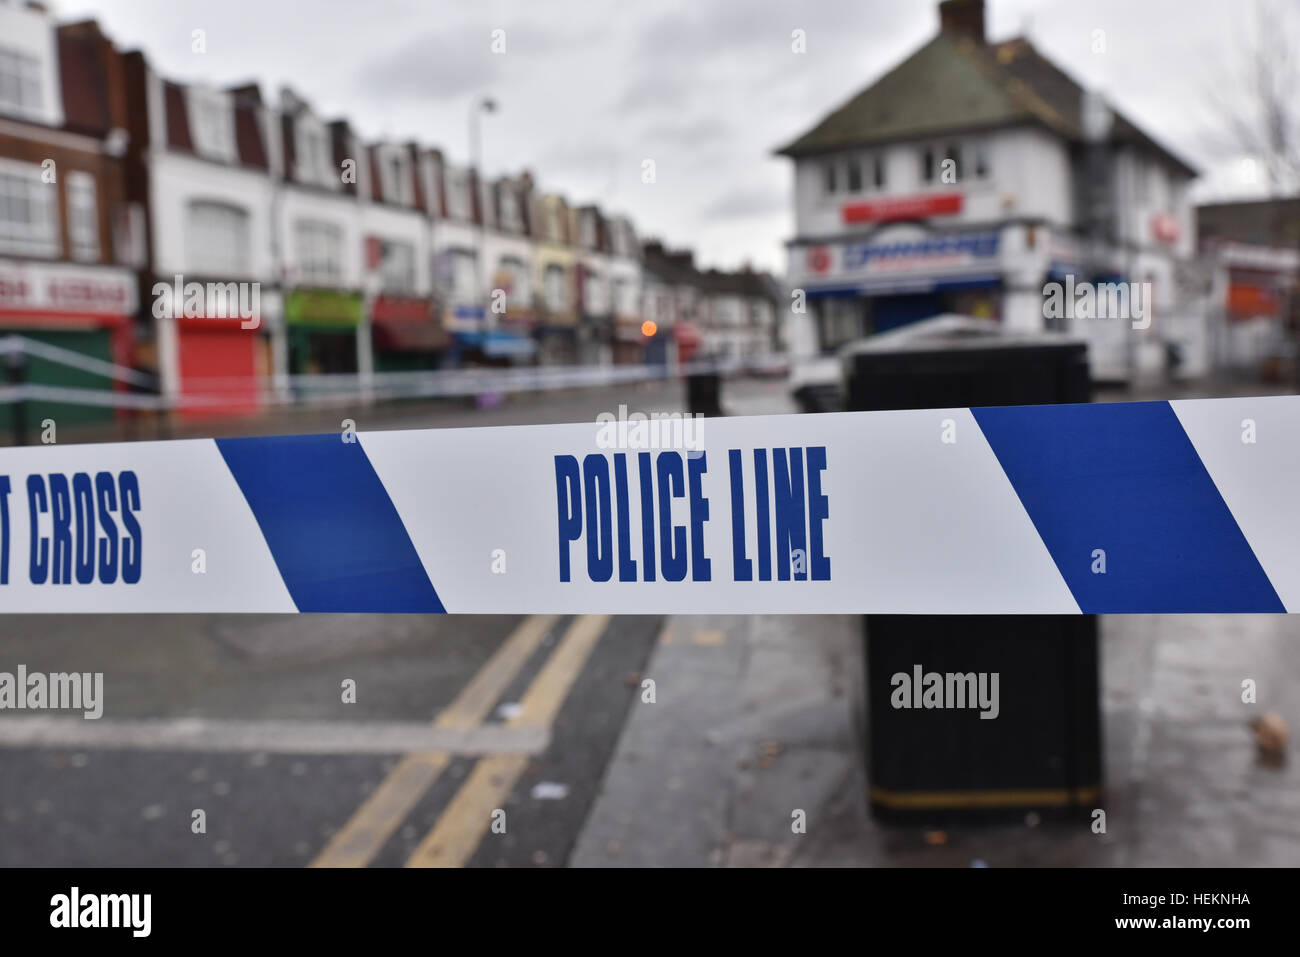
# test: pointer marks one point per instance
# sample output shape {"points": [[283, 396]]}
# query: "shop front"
{"points": [[222, 367], [899, 275], [408, 334], [84, 310], [322, 331]]}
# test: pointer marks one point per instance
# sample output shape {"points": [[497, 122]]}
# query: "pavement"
{"points": [[758, 718], [347, 740]]}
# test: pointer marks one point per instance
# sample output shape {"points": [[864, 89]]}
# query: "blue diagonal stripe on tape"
{"points": [[332, 529], [1125, 478]]}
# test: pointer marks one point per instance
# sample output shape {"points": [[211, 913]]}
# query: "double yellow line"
{"points": [[461, 827]]}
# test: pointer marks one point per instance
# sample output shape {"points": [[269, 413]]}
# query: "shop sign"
{"points": [[322, 307], [898, 208], [55, 288]]}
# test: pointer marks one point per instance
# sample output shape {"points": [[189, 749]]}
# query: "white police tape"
{"points": [[1129, 507]]}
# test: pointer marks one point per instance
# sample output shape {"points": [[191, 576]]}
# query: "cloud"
{"points": [[747, 202]]}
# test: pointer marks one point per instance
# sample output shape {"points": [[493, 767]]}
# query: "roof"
{"points": [[954, 83], [1269, 222]]}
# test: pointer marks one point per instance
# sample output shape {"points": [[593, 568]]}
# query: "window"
{"points": [[511, 220], [855, 176], [464, 275], [393, 183], [29, 221], [396, 266], [878, 171], [595, 292], [314, 161], [83, 217], [515, 272], [927, 166], [981, 161], [557, 296], [320, 252], [219, 239], [829, 174], [624, 298], [953, 155], [1141, 180], [458, 195], [20, 83], [554, 229], [212, 122]]}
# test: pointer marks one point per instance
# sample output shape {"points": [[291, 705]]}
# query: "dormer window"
{"points": [[511, 221], [212, 124], [20, 84], [313, 159]]}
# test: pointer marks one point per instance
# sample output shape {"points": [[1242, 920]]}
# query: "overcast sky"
{"points": [[588, 89]]}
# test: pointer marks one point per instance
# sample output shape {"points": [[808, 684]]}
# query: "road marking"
{"points": [[270, 737], [360, 839], [461, 827]]}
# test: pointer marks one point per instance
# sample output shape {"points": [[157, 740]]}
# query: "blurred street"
{"points": [[547, 719]]}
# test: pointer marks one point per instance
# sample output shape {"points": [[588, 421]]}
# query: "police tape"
{"points": [[1185, 506]]}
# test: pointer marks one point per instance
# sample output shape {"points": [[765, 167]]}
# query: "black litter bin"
{"points": [[1042, 752], [703, 393]]}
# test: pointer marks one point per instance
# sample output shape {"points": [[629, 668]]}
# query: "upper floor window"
{"points": [[83, 216], [394, 174], [623, 239], [513, 275], [927, 165], [213, 124], [313, 149], [511, 216], [20, 83], [29, 222], [952, 170], [396, 266], [855, 175], [554, 228], [554, 288], [320, 251], [878, 171], [981, 160], [459, 200], [463, 270], [829, 177], [219, 239]]}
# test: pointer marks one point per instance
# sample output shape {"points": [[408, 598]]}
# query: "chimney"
{"points": [[963, 18]]}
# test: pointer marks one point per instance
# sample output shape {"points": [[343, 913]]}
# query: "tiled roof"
{"points": [[954, 83]]}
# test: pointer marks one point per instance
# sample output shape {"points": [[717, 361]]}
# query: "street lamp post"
{"points": [[484, 105]]}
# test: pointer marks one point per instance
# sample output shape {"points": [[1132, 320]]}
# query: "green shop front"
{"points": [[321, 326]]}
